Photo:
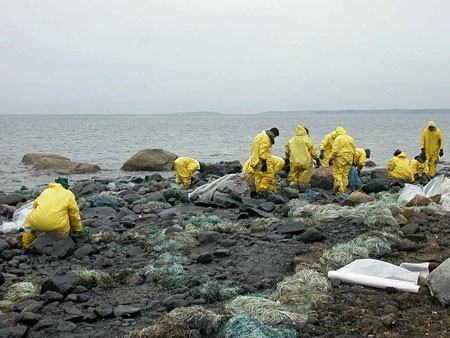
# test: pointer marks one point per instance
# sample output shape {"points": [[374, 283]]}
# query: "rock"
{"points": [[175, 301], [388, 308], [223, 168], [312, 235], [225, 200], [32, 158], [12, 199], [358, 198], [401, 220], [63, 166], [375, 186], [171, 213], [104, 310], [45, 322], [389, 319], [322, 178], [2, 279], [51, 296], [379, 174], [409, 213], [439, 282], [295, 228], [203, 257], [221, 253], [126, 311], [370, 164], [102, 213], [29, 318], [86, 189], [150, 160], [4, 245], [277, 198], [85, 250], [408, 245], [252, 211], [410, 228], [290, 193], [436, 198], [61, 281], [9, 319], [156, 177], [55, 243], [267, 206], [420, 201], [209, 237], [18, 331], [28, 306], [66, 326]]}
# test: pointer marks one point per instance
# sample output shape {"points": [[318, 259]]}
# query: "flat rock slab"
{"points": [[126, 311], [292, 228], [439, 282]]}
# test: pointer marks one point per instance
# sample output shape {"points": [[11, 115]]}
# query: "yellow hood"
{"points": [[403, 154], [300, 130], [431, 124], [340, 131]]}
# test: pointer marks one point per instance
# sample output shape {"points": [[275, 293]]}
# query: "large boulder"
{"points": [[223, 168], [322, 178], [379, 174], [60, 164], [439, 282], [150, 160], [54, 243]]}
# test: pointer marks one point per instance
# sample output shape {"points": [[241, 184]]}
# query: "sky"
{"points": [[228, 56]]}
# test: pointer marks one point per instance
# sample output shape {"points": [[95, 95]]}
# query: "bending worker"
{"points": [[325, 148], [276, 162], [432, 146], [359, 160], [342, 155], [185, 167], [419, 168], [399, 167], [260, 153], [54, 209], [300, 149]]}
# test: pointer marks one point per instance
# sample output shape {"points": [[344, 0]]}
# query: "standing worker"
{"points": [[359, 160], [432, 146], [54, 209], [342, 155], [300, 150], [325, 148], [260, 153], [185, 167]]}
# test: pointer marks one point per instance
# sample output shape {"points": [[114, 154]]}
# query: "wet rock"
{"points": [[221, 253], [55, 243], [389, 319], [223, 168], [30, 305], [104, 310], [12, 199], [175, 301], [45, 322], [439, 282], [267, 206], [225, 200], [59, 164], [51, 296], [295, 228], [436, 198], [290, 192], [61, 281], [103, 262], [209, 237], [171, 213], [429, 257], [379, 174], [410, 228], [29, 318], [409, 213], [9, 319], [32, 158], [88, 188], [358, 198], [18, 331], [66, 326], [375, 186], [370, 164], [401, 220], [126, 311], [322, 178], [420, 201], [2, 279], [150, 160], [252, 211], [388, 308], [85, 250], [203, 258], [277, 198], [408, 245], [312, 235], [103, 213]]}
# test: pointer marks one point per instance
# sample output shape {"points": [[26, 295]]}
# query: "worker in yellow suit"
{"points": [[185, 167], [420, 168], [432, 146], [260, 153], [275, 162], [399, 167], [300, 150], [54, 209], [360, 158], [325, 148], [342, 155]]}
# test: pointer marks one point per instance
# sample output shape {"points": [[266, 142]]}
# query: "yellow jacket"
{"points": [[301, 148], [418, 168], [186, 166], [261, 149], [327, 141], [432, 141], [359, 159], [399, 167], [54, 209], [343, 146]]}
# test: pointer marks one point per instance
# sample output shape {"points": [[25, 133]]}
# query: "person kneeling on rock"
{"points": [[185, 167], [54, 209]]}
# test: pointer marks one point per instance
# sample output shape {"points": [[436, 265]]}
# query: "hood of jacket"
{"points": [[340, 131], [301, 131], [271, 136], [432, 124], [403, 155]]}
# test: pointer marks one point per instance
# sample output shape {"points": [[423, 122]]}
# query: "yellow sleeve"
{"points": [[391, 164], [324, 142], [265, 147], [192, 166], [287, 150], [74, 214], [336, 146], [312, 149], [441, 140], [423, 143]]}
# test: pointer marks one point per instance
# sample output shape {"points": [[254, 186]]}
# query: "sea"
{"points": [[109, 140]]}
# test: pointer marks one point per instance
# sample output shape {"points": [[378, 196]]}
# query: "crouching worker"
{"points": [[185, 167], [399, 167], [54, 209], [275, 162], [420, 168]]}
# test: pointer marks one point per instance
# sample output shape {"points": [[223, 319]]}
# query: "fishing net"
{"points": [[107, 200], [247, 327], [167, 258], [93, 278], [169, 276], [197, 314], [214, 290], [22, 291], [165, 327]]}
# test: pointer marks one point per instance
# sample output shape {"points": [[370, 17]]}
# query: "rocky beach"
{"points": [[159, 263]]}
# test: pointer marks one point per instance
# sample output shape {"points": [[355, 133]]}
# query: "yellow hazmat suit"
{"points": [[419, 168], [399, 168], [54, 209], [185, 168], [326, 145], [300, 150], [359, 160], [276, 163], [342, 155], [432, 142], [262, 151]]}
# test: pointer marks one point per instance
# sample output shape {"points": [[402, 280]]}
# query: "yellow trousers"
{"points": [[341, 169], [300, 173]]}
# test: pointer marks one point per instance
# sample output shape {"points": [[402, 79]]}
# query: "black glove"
{"points": [[330, 162], [264, 166], [322, 155], [318, 163], [441, 152], [287, 161]]}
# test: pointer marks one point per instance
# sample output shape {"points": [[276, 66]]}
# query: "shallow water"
{"points": [[109, 140]]}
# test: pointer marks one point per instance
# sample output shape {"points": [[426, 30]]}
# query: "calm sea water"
{"points": [[109, 140]]}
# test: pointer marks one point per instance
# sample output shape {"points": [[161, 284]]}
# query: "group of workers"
{"points": [[56, 208], [424, 165]]}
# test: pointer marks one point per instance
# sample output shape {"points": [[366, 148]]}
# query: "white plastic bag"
{"points": [[408, 193], [18, 219], [445, 201], [439, 185]]}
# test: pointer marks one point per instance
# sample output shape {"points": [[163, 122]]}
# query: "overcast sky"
{"points": [[229, 56]]}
